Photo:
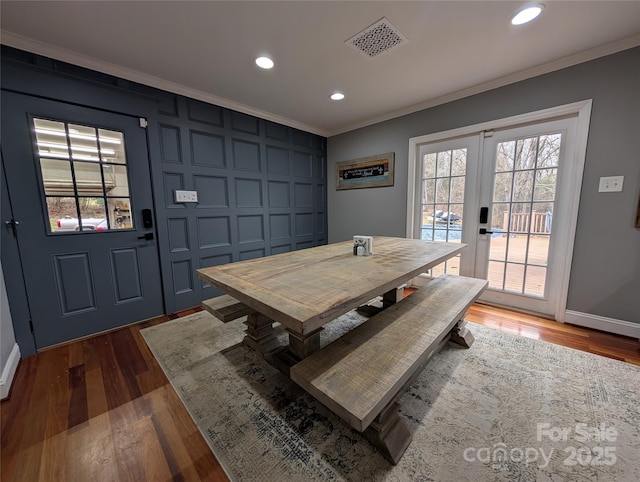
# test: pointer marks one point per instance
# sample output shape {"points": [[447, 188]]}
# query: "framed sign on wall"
{"points": [[372, 171]]}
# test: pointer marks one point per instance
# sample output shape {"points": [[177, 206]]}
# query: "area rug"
{"points": [[507, 409]]}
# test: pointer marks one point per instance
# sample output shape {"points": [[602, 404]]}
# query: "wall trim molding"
{"points": [[40, 48], [602, 323], [9, 371], [30, 45]]}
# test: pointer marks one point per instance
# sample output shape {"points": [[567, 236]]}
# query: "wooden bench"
{"points": [[226, 308], [361, 375]]}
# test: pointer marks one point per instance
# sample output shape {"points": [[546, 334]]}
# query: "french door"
{"points": [[80, 193], [510, 194], [521, 189]]}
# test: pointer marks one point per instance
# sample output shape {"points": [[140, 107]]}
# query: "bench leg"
{"points": [[260, 334], [461, 334], [389, 433]]}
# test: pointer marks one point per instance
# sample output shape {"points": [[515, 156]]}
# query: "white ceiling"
{"points": [[207, 49]]}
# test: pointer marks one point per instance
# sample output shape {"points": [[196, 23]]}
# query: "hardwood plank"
{"points": [[78, 411]]}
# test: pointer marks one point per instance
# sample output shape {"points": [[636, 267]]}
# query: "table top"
{"points": [[306, 289]]}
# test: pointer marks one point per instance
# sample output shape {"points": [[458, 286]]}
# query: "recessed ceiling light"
{"points": [[337, 96], [526, 15], [264, 62]]}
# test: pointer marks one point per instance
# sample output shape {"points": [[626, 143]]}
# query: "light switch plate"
{"points": [[186, 196], [611, 184]]}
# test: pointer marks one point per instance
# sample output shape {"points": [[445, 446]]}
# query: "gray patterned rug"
{"points": [[509, 408]]}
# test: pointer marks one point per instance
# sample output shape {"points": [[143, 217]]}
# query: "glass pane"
{"points": [[51, 139], [84, 144], [457, 189], [539, 249], [429, 166], [56, 176], [498, 247], [426, 234], [428, 216], [92, 213], [514, 278], [549, 150], [454, 217], [545, 185], [459, 162], [500, 217], [517, 249], [520, 218], [116, 180], [444, 164], [440, 235], [428, 191], [526, 154], [502, 187], [63, 214], [505, 153], [535, 280], [523, 186], [88, 178], [496, 274], [442, 190], [541, 218], [120, 213], [112, 146]]}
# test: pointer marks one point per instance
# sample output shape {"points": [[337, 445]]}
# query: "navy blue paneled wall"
{"points": [[261, 190], [261, 186]]}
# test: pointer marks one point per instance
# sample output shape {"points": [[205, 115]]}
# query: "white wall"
{"points": [[9, 351]]}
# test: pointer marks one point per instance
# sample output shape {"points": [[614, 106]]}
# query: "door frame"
{"points": [[573, 170]]}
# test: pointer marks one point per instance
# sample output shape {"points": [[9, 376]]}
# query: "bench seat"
{"points": [[361, 375], [226, 308]]}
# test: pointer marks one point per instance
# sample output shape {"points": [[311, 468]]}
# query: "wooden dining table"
{"points": [[304, 290]]}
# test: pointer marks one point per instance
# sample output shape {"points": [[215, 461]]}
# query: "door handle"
{"points": [[484, 231], [146, 236], [14, 224]]}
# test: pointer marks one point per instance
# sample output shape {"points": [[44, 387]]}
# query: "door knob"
{"points": [[484, 231], [146, 236]]}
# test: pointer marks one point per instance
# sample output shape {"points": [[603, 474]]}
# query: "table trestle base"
{"points": [[260, 334]]}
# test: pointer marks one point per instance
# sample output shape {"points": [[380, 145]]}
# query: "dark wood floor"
{"points": [[101, 409]]}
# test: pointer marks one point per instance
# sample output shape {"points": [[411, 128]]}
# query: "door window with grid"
{"points": [[524, 192], [442, 206], [84, 176]]}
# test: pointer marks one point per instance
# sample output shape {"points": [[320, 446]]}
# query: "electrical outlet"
{"points": [[186, 196], [611, 184]]}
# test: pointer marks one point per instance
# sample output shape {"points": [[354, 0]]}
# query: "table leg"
{"points": [[304, 345], [392, 296], [260, 333], [461, 334]]}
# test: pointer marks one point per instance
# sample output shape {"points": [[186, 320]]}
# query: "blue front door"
{"points": [[80, 191]]}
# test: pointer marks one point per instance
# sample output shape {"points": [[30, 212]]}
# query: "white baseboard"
{"points": [[610, 325], [9, 372]]}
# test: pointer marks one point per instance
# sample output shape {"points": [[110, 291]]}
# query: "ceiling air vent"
{"points": [[377, 39]]}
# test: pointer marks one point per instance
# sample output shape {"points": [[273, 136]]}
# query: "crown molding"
{"points": [[64, 55], [34, 46], [584, 56]]}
